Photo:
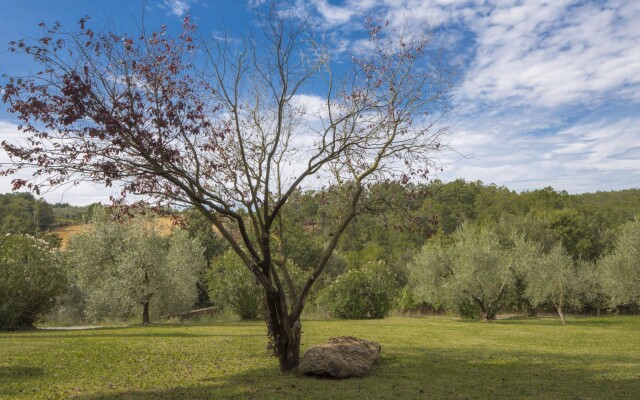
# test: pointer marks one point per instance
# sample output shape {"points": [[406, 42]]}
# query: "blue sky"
{"points": [[550, 93]]}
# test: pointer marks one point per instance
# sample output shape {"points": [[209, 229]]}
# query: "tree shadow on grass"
{"points": [[421, 373], [117, 335], [15, 373]]}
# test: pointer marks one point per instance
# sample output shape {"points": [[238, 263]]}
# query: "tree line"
{"points": [[460, 247]]}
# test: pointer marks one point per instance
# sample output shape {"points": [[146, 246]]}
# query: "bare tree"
{"points": [[227, 127]]}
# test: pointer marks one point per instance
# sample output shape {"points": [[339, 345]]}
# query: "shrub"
{"points": [[232, 286], [31, 276], [366, 292]]}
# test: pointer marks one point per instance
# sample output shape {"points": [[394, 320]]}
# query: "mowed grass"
{"points": [[422, 358]]}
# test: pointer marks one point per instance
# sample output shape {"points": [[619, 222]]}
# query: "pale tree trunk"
{"points": [[561, 314]]}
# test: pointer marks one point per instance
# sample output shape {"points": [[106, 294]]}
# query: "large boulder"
{"points": [[341, 357]]}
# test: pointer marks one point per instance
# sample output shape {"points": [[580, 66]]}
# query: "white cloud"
{"points": [[534, 68], [256, 3], [538, 53], [548, 54], [586, 157], [82, 194], [177, 7]]}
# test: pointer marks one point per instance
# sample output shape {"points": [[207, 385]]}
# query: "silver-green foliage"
{"points": [[472, 268], [119, 267], [31, 276], [549, 276], [621, 268]]}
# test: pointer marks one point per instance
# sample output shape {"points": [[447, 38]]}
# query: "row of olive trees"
{"points": [[476, 267]]}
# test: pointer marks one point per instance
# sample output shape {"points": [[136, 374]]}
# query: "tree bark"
{"points": [[145, 313], [484, 314], [284, 334], [289, 349], [561, 314]]}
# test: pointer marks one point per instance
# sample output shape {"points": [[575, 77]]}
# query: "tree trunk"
{"points": [[484, 313], [289, 350], [561, 314], [284, 336], [145, 313]]}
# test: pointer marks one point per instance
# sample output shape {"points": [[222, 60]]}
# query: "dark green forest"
{"points": [[408, 216]]}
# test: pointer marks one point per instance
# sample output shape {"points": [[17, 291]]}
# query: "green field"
{"points": [[589, 358]]}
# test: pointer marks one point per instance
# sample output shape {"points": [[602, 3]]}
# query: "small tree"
{"points": [[31, 276], [473, 268], [43, 215], [185, 269], [223, 132], [621, 268]]}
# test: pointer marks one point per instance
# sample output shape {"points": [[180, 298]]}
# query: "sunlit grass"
{"points": [[589, 358]]}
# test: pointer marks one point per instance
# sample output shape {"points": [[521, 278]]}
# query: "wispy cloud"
{"points": [[541, 53], [587, 156], [84, 193], [177, 7], [537, 106], [554, 53]]}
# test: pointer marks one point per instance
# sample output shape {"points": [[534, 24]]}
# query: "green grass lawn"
{"points": [[589, 358]]}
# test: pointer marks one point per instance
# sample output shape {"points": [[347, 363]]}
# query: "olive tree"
{"points": [[123, 267], [472, 267], [366, 291], [621, 268], [232, 129], [549, 277]]}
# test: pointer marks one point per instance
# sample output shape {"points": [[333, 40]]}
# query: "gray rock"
{"points": [[341, 357]]}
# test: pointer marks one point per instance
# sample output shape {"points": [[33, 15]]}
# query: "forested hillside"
{"points": [[410, 215], [404, 217]]}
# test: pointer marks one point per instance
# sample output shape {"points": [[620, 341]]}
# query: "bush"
{"points": [[232, 286], [366, 292], [31, 276]]}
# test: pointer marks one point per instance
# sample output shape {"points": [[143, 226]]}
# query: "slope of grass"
{"points": [[421, 358]]}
